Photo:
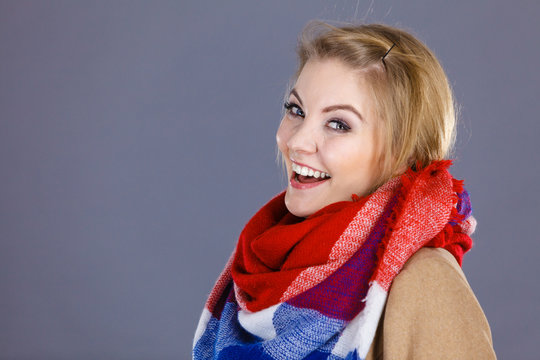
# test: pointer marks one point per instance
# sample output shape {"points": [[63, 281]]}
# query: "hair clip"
{"points": [[391, 47]]}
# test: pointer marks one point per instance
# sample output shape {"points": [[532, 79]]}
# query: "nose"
{"points": [[303, 138]]}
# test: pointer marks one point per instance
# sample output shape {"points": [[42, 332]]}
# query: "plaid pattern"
{"points": [[331, 310]]}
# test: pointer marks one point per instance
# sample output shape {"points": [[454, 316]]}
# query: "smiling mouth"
{"points": [[307, 179], [305, 175]]}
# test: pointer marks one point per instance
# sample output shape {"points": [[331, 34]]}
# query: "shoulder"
{"points": [[433, 285], [432, 280], [432, 312], [431, 266]]}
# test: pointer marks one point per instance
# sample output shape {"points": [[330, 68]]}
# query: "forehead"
{"points": [[328, 82]]}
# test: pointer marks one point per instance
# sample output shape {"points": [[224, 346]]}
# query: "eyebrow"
{"points": [[293, 91], [332, 107], [343, 107]]}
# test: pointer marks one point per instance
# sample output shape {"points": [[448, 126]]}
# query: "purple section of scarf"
{"points": [[463, 206], [339, 296]]}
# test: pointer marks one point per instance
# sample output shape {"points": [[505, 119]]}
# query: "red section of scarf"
{"points": [[276, 246]]}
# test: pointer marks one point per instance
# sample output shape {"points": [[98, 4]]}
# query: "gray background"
{"points": [[137, 138]]}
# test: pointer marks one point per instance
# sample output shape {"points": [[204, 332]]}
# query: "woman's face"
{"points": [[328, 137]]}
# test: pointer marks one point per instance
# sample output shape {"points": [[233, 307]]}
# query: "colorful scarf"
{"points": [[315, 288]]}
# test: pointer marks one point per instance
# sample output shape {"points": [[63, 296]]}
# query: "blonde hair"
{"points": [[412, 96]]}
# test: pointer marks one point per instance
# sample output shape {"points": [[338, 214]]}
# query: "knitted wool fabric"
{"points": [[315, 288]]}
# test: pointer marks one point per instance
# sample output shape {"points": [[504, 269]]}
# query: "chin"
{"points": [[299, 208]]}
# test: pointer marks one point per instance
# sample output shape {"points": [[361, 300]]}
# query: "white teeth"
{"points": [[305, 171]]}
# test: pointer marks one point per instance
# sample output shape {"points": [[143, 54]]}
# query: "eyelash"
{"points": [[341, 123], [289, 106]]}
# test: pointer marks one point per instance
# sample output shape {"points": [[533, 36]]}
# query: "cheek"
{"points": [[352, 160]]}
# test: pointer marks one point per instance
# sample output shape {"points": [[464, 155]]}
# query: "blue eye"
{"points": [[338, 125], [294, 109]]}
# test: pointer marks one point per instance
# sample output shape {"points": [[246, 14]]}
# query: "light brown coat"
{"points": [[432, 313]]}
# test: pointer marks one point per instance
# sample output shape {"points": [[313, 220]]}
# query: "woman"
{"points": [[360, 257]]}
